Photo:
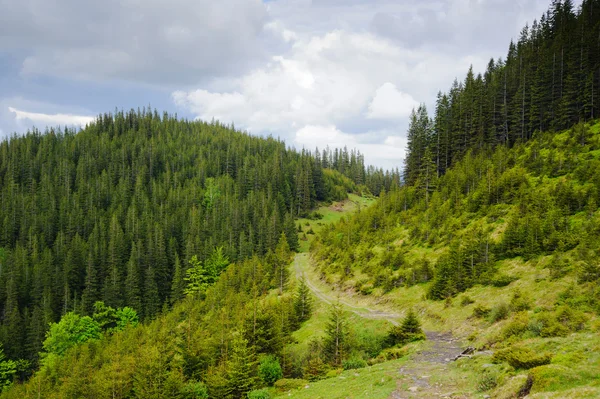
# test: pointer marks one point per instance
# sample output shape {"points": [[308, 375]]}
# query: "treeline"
{"points": [[549, 80], [115, 213], [539, 198], [352, 165]]}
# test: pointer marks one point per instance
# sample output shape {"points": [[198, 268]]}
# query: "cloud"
{"points": [[391, 103], [355, 82], [41, 119], [152, 41], [388, 154], [323, 80]]}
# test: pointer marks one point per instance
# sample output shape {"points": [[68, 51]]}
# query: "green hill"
{"points": [[503, 253]]}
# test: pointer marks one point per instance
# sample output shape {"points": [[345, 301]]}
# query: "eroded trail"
{"points": [[367, 313], [415, 377]]}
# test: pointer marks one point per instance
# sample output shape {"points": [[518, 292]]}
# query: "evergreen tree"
{"points": [[302, 302], [335, 344]]}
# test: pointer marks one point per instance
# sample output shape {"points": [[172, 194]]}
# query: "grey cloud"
{"points": [[457, 26], [152, 41]]}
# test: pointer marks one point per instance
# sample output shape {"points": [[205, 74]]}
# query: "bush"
{"points": [[466, 300], [259, 394], [502, 280], [408, 331], [481, 312], [519, 302], [517, 326], [390, 354], [289, 384], [354, 363], [487, 381], [521, 357], [269, 370], [553, 377], [499, 312]]}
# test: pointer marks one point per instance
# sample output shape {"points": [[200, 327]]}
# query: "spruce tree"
{"points": [[302, 302]]}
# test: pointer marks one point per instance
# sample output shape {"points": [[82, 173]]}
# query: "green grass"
{"points": [[375, 382], [331, 214]]}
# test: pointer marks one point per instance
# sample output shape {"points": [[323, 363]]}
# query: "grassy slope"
{"points": [[575, 368]]}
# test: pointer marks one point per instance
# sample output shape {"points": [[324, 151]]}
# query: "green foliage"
{"points": [[487, 381], [8, 369], [336, 343], [303, 302], [71, 330], [259, 394], [290, 384], [116, 211], [499, 312], [408, 331], [354, 363], [521, 357], [481, 312], [241, 368], [269, 370], [194, 390]]}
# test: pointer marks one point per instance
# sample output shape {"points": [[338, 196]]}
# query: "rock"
{"points": [[306, 387], [413, 389], [447, 359], [486, 396]]}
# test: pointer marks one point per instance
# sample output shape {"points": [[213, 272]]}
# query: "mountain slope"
{"points": [[116, 212], [502, 251]]}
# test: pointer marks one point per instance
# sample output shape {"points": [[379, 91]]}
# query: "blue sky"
{"points": [[313, 72]]}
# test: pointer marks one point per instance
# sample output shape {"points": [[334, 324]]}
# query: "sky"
{"points": [[312, 72]]}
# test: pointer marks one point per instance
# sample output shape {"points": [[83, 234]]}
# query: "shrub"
{"points": [[269, 370], [517, 326], [487, 381], [408, 331], [571, 318], [289, 384], [502, 280], [466, 300], [519, 302], [521, 357], [333, 373], [481, 312], [553, 377], [499, 312], [354, 363], [391, 354], [259, 394]]}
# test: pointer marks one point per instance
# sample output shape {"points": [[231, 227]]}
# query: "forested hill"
{"points": [[117, 211], [548, 81]]}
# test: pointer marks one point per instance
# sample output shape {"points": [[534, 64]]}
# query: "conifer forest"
{"points": [[147, 255]]}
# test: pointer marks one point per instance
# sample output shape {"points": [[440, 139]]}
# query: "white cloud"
{"points": [[389, 154], [355, 82], [391, 103], [51, 119]]}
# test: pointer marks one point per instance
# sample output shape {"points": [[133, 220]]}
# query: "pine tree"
{"points": [[302, 302], [133, 293], [335, 344], [242, 371]]}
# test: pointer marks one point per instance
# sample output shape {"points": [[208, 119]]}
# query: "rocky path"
{"points": [[414, 378]]}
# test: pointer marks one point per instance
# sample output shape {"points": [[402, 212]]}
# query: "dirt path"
{"points": [[414, 380], [329, 299]]}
